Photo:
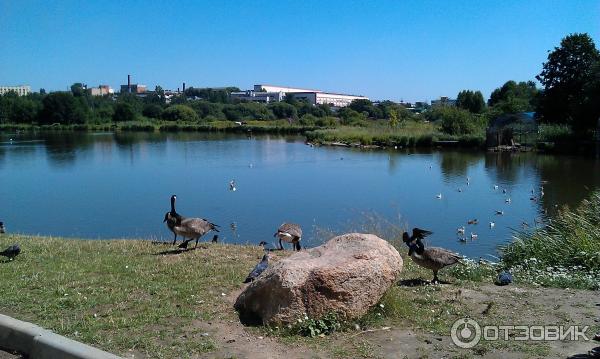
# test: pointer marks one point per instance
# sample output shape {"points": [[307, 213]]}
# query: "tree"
{"points": [[78, 89], [124, 111], [157, 97], [567, 77], [393, 118], [152, 110], [366, 106], [454, 120], [180, 113], [63, 107], [283, 110], [471, 101], [351, 117]]}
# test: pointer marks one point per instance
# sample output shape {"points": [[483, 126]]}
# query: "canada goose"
{"points": [[472, 221], [461, 230], [495, 187], [172, 218], [439, 196], [291, 233], [504, 190], [2, 228], [474, 235], [499, 212], [508, 200], [260, 267], [462, 239], [192, 228], [459, 189], [492, 224], [232, 186], [417, 233], [11, 252], [433, 258]]}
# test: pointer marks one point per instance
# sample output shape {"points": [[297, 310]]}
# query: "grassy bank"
{"points": [[275, 126], [409, 134], [123, 295], [135, 297], [565, 253]]}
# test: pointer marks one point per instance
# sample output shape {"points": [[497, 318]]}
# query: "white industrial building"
{"points": [[270, 93], [19, 90]]}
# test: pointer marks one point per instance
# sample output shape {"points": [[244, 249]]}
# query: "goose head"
{"points": [[406, 238]]}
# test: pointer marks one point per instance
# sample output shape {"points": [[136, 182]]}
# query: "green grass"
{"points": [[120, 295], [151, 125], [408, 134], [124, 296], [565, 253]]}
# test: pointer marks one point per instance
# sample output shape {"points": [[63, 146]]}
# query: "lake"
{"points": [[118, 185]]}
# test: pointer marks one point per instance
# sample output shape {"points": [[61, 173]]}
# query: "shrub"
{"points": [[180, 113], [152, 110], [124, 112]]}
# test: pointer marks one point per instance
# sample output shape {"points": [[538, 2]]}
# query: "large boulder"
{"points": [[346, 275]]}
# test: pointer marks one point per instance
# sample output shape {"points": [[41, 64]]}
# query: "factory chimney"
{"points": [[184, 87], [129, 83]]}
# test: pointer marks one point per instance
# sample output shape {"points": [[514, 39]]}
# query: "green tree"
{"points": [[351, 117], [180, 113], [156, 97], [471, 101], [78, 89], [454, 120], [514, 97], [205, 109], [367, 107], [567, 77], [283, 110], [63, 107], [124, 111], [393, 118], [152, 110]]}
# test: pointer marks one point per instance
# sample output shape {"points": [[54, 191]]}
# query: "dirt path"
{"points": [[487, 304]]}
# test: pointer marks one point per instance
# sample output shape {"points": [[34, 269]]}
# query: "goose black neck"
{"points": [[173, 205]]}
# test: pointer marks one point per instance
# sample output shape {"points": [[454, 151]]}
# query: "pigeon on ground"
{"points": [[260, 267], [11, 252]]}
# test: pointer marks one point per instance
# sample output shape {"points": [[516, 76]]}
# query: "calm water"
{"points": [[108, 185]]}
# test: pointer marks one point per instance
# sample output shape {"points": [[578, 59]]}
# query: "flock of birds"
{"points": [[433, 258], [193, 228], [461, 231]]}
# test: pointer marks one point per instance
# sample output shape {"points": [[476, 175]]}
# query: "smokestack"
{"points": [[184, 87], [129, 83]]}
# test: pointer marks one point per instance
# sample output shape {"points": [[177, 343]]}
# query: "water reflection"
{"points": [[456, 163]]}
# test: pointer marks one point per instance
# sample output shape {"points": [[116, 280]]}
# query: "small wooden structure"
{"points": [[512, 130]]}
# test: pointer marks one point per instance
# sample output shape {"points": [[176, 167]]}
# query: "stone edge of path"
{"points": [[37, 342]]}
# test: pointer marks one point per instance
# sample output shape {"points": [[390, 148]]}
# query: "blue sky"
{"points": [[410, 50]]}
